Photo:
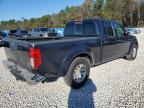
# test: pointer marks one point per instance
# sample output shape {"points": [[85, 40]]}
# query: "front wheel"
{"points": [[78, 73], [133, 53]]}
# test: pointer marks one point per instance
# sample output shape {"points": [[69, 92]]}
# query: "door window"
{"points": [[108, 30], [36, 30], [119, 31]]}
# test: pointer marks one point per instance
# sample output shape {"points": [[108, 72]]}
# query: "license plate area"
{"points": [[22, 74]]}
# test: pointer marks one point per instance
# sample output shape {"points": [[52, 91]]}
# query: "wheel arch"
{"points": [[85, 55], [134, 42], [69, 59]]}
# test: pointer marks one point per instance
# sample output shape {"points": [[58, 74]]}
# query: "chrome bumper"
{"points": [[22, 74]]}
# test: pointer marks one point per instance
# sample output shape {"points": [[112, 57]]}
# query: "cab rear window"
{"points": [[78, 28], [81, 28], [89, 28], [69, 29]]}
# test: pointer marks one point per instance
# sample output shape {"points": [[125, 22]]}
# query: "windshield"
{"points": [[44, 29]]}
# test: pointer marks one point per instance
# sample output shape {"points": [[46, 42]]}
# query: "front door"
{"points": [[110, 43], [123, 40]]}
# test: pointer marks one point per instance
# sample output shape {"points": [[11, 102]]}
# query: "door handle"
{"points": [[106, 41], [121, 41]]}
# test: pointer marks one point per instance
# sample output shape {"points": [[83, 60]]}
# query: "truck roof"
{"points": [[91, 19]]}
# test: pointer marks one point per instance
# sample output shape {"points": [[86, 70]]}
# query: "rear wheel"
{"points": [[78, 73], [133, 53]]}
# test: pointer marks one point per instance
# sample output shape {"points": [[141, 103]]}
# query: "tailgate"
{"points": [[17, 51]]}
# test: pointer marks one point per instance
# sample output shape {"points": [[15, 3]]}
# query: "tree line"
{"points": [[130, 13]]}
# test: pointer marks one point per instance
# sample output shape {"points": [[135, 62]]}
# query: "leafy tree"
{"points": [[87, 8], [128, 12]]}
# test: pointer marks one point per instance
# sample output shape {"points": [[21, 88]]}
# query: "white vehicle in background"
{"points": [[132, 31], [39, 31], [59, 31]]}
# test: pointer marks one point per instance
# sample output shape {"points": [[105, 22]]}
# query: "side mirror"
{"points": [[126, 33]]}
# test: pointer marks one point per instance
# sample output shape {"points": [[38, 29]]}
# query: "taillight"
{"points": [[35, 57]]}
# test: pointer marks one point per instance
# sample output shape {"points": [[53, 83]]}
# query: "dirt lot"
{"points": [[119, 83]]}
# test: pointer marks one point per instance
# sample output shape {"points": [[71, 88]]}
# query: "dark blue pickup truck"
{"points": [[86, 43]]}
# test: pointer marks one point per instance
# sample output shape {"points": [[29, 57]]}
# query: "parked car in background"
{"points": [[39, 31], [5, 33], [52, 32], [21, 33], [59, 31], [0, 36], [138, 30], [132, 30], [12, 32]]}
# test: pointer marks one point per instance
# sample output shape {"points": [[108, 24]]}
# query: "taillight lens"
{"points": [[35, 57]]}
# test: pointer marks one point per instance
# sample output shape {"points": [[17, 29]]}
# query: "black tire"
{"points": [[131, 56], [69, 77]]}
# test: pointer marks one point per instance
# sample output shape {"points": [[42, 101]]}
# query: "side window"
{"points": [[19, 32], [78, 28], [69, 29], [119, 31], [108, 30], [89, 28], [35, 30], [38, 29]]}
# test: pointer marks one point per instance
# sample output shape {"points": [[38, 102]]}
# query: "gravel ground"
{"points": [[117, 84]]}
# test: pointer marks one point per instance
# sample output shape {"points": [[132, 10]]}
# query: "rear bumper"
{"points": [[22, 74], [1, 43]]}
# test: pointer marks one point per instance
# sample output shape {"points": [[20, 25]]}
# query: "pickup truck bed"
{"points": [[52, 39]]}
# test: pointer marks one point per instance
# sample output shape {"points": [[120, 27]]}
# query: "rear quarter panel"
{"points": [[57, 55]]}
